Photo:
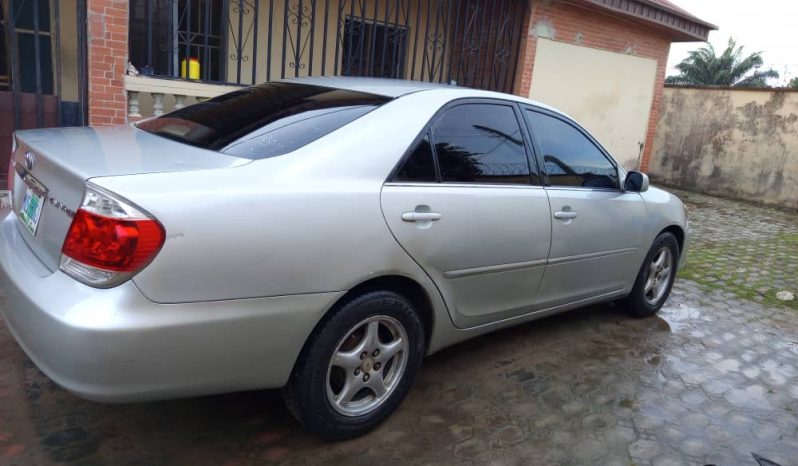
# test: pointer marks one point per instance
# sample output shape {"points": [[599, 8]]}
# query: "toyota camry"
{"points": [[319, 235]]}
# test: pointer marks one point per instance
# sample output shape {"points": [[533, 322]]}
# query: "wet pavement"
{"points": [[712, 380]]}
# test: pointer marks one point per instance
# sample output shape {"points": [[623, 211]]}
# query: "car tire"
{"points": [[345, 381], [654, 280]]}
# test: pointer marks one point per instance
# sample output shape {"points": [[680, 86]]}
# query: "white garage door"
{"points": [[609, 93]]}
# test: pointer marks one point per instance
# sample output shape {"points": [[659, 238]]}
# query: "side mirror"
{"points": [[636, 182]]}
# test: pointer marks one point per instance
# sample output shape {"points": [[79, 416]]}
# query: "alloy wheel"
{"points": [[367, 366], [659, 276]]}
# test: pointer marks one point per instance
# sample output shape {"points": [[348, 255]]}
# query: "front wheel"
{"points": [[655, 279], [357, 367]]}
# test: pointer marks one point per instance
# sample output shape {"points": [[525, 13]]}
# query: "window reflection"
{"points": [[419, 166], [264, 121], [481, 143], [571, 159]]}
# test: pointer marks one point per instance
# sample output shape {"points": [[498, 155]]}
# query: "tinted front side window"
{"points": [[480, 143], [571, 159], [264, 121]]}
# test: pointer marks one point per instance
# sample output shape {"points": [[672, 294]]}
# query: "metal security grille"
{"points": [[469, 42], [384, 56]]}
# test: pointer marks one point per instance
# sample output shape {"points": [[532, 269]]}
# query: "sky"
{"points": [[767, 26]]}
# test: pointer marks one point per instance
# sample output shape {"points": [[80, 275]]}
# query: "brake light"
{"points": [[109, 240]]}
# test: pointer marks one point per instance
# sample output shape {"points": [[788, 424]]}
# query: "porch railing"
{"points": [[147, 96], [471, 42]]}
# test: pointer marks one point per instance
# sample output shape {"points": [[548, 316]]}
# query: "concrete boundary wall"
{"points": [[736, 143]]}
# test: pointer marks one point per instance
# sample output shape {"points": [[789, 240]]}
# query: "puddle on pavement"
{"points": [[679, 317]]}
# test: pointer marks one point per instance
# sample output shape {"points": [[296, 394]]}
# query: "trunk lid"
{"points": [[52, 166]]}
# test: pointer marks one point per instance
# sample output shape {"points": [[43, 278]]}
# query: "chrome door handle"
{"points": [[421, 216], [567, 215]]}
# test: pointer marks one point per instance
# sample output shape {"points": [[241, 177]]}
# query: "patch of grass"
{"points": [[627, 403], [752, 270]]}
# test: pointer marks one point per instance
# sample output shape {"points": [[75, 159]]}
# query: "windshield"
{"points": [[264, 121]]}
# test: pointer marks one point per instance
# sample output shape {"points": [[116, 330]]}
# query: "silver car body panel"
{"points": [[598, 251], [488, 252], [116, 345], [328, 189], [258, 252], [67, 157]]}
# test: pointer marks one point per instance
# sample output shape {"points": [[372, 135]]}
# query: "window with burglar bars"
{"points": [[33, 40], [164, 32], [5, 72], [199, 36], [373, 49], [470, 42]]}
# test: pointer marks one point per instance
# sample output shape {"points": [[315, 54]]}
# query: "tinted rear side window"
{"points": [[419, 166], [264, 121], [481, 143]]}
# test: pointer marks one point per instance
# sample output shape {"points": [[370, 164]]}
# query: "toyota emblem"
{"points": [[30, 160]]}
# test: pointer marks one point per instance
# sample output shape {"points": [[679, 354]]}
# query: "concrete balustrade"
{"points": [[148, 97]]}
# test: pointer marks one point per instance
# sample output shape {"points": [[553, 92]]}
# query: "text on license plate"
{"points": [[31, 210]]}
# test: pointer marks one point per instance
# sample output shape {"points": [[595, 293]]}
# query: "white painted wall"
{"points": [[609, 93]]}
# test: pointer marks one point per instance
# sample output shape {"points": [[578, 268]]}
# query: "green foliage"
{"points": [[704, 67], [793, 83]]}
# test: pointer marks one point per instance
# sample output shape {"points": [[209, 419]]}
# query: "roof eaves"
{"points": [[675, 9], [686, 26]]}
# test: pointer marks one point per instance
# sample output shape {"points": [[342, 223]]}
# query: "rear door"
{"points": [[467, 205], [597, 228]]}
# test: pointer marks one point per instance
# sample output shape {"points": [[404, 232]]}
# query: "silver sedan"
{"points": [[320, 235]]}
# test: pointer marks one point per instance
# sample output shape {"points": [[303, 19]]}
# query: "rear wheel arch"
{"points": [[404, 286], [407, 287]]}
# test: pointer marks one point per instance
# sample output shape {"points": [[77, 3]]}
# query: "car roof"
{"points": [[395, 88], [385, 87]]}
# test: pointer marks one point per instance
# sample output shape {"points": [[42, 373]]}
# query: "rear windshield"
{"points": [[264, 121]]}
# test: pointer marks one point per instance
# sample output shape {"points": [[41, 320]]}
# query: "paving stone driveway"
{"points": [[713, 379]]}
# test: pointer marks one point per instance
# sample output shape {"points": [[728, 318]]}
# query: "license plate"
{"points": [[31, 211]]}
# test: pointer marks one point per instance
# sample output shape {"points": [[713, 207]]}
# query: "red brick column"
{"points": [[107, 52], [656, 104], [526, 55]]}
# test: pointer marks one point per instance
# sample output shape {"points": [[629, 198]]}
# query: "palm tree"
{"points": [[704, 67]]}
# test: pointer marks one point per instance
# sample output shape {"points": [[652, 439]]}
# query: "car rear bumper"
{"points": [[115, 345]]}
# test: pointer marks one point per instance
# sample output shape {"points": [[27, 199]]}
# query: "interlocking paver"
{"points": [[710, 380], [745, 249], [644, 449]]}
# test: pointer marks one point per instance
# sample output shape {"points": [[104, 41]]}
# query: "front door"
{"points": [[467, 205], [597, 228]]}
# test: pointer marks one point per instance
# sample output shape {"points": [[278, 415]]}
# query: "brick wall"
{"points": [[107, 52], [593, 28]]}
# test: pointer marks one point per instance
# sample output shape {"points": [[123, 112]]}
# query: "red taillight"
{"points": [[112, 243], [109, 240]]}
